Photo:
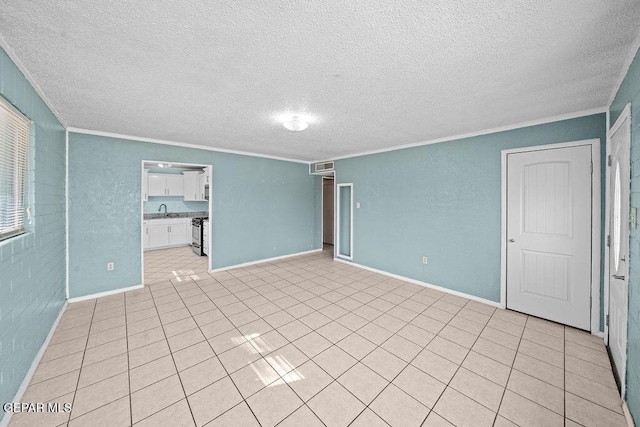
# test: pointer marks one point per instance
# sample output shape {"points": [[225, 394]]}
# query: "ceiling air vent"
{"points": [[323, 167]]}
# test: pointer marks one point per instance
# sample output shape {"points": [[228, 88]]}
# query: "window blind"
{"points": [[14, 154]]}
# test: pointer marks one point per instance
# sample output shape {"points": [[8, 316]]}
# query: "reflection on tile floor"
{"points": [[174, 263], [307, 341]]}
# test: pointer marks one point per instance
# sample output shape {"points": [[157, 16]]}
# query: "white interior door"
{"points": [[549, 234], [619, 185]]}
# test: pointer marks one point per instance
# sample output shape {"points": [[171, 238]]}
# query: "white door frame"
{"points": [[595, 224], [210, 209], [337, 217], [626, 114]]}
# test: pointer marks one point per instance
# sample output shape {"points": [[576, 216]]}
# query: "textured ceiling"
{"points": [[376, 74]]}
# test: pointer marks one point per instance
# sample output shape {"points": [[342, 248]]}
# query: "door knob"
{"points": [[615, 276], [511, 240]]}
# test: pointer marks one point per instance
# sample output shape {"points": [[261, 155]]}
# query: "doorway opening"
{"points": [[176, 230], [328, 197]]}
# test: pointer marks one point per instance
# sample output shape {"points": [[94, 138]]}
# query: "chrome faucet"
{"points": [[165, 208]]}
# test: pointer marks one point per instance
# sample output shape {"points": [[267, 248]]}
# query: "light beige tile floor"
{"points": [[173, 263], [308, 341]]}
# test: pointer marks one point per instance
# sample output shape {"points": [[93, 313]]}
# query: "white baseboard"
{"points": [[217, 270], [598, 334], [104, 294], [627, 414], [34, 365], [425, 284]]}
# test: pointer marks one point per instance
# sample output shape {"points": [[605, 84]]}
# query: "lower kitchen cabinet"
{"points": [[165, 233]]}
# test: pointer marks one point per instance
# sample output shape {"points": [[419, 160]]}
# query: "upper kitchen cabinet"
{"points": [[166, 184], [193, 186]]}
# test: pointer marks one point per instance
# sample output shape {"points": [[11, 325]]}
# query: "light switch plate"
{"points": [[358, 205]]}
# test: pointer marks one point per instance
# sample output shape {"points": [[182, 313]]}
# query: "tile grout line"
{"points": [[216, 356], [126, 334], [459, 365], [524, 327], [174, 364], [95, 305]]}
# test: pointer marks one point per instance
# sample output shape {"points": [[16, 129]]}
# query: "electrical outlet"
{"points": [[425, 260], [110, 266]]}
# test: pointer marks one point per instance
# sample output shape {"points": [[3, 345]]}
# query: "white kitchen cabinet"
{"points": [[165, 233], [145, 235], [157, 184], [205, 237], [193, 186], [166, 184], [157, 235], [201, 182], [178, 233], [145, 185], [175, 185]]}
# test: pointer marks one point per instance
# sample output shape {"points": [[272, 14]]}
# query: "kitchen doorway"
{"points": [[176, 223]]}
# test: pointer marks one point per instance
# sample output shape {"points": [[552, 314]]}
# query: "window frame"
{"points": [[26, 188]]}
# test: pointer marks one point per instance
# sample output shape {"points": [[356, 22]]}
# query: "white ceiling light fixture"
{"points": [[296, 124]]}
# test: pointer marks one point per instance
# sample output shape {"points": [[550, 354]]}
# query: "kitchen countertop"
{"points": [[162, 215]]}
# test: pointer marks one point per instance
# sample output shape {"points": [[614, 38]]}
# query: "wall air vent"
{"points": [[323, 167]]}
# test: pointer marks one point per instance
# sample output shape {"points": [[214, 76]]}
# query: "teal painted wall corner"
{"points": [[32, 266]]}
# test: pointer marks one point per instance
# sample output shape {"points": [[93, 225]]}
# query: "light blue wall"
{"points": [[443, 201], [32, 266], [262, 208], [630, 92]]}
